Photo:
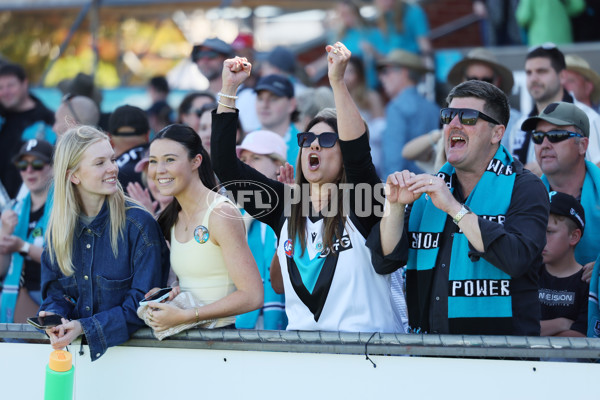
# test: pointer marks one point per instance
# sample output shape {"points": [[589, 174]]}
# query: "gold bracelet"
{"points": [[197, 316], [225, 105]]}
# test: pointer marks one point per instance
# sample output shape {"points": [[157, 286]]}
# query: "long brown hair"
{"points": [[331, 225], [189, 139]]}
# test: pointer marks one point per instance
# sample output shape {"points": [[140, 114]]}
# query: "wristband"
{"points": [[24, 250], [197, 316]]}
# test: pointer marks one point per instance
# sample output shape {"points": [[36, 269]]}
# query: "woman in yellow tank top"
{"points": [[209, 251]]}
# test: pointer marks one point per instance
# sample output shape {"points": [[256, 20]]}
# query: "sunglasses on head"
{"points": [[467, 116], [555, 136], [326, 139], [483, 78], [205, 108], [37, 165], [67, 101]]}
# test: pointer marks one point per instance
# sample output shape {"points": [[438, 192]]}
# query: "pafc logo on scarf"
{"points": [[338, 246], [498, 168], [424, 240]]}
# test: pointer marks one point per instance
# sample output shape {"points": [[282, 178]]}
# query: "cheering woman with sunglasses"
{"points": [[328, 279], [22, 234], [473, 243]]}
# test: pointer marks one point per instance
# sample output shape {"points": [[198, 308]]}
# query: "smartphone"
{"points": [[45, 322], [157, 297]]}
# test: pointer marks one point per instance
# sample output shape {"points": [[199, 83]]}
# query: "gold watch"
{"points": [[464, 210]]}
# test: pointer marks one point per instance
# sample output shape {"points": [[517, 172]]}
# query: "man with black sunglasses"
{"points": [[544, 70], [561, 137], [471, 236]]}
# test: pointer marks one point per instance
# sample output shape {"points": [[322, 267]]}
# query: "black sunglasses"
{"points": [[326, 139], [467, 116], [554, 136], [37, 165], [205, 108], [483, 78]]}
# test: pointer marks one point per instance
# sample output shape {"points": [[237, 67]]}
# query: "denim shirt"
{"points": [[103, 293]]}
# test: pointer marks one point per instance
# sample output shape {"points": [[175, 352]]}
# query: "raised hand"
{"points": [[142, 195], [286, 174], [235, 72], [337, 60]]}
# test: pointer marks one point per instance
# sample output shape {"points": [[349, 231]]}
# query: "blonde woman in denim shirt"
{"points": [[103, 252]]}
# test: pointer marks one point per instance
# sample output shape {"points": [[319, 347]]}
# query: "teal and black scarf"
{"points": [[476, 289], [10, 291]]}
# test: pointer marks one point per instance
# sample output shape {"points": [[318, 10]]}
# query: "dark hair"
{"points": [[496, 103], [331, 225], [13, 70], [189, 139], [551, 52], [160, 84], [186, 104]]}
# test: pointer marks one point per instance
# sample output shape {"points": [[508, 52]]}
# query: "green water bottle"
{"points": [[59, 376]]}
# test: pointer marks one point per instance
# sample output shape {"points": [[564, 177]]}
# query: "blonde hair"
{"points": [[67, 202]]}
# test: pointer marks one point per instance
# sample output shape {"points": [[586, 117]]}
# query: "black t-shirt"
{"points": [[127, 162], [31, 276], [564, 297]]}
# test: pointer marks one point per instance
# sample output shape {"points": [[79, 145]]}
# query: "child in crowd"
{"points": [[563, 295]]}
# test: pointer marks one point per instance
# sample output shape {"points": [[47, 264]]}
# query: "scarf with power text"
{"points": [[588, 248], [10, 291], [476, 289]]}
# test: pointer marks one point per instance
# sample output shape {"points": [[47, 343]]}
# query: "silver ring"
{"points": [[335, 51], [431, 181]]}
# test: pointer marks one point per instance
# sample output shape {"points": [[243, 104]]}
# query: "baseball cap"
{"points": [[264, 142], [560, 114], [212, 44], [35, 147], [128, 121], [277, 84], [567, 206], [283, 59]]}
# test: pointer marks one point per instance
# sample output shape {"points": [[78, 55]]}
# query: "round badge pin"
{"points": [[288, 248], [201, 234]]}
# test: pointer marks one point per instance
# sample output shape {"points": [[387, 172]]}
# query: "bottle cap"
{"points": [[60, 361]]}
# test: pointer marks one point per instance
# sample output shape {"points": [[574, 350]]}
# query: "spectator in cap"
{"points": [[408, 114], [159, 115], [481, 64], [582, 81], [544, 68], [561, 135], [563, 295], [129, 132], [266, 152], [22, 234], [24, 117], [209, 57], [276, 110], [282, 61], [75, 110], [243, 45]]}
